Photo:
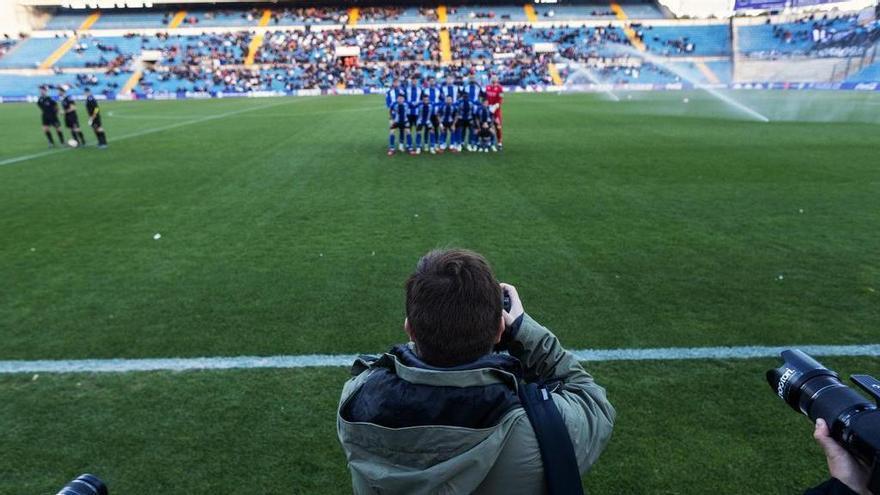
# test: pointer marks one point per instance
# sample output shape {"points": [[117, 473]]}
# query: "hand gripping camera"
{"points": [[817, 392]]}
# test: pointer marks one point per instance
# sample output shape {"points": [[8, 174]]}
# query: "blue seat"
{"points": [[30, 53], [67, 20], [88, 53], [870, 74], [711, 40]]}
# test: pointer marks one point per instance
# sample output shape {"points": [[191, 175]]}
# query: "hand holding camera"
{"points": [[847, 424], [841, 464], [512, 305]]}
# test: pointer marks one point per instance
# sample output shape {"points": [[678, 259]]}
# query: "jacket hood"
{"points": [[413, 428]]}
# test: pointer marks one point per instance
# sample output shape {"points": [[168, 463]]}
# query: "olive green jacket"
{"points": [[501, 458]]}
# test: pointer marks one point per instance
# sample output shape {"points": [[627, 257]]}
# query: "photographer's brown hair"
{"points": [[453, 304]]}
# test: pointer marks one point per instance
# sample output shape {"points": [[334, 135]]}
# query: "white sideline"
{"points": [[341, 360], [23, 158]]}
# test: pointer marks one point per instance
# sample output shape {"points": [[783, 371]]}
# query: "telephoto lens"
{"points": [[812, 389], [85, 484], [817, 392]]}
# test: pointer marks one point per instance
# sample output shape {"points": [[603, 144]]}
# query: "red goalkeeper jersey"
{"points": [[493, 94]]}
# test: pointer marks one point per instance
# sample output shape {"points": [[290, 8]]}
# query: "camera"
{"points": [[505, 301], [84, 484], [817, 392]]}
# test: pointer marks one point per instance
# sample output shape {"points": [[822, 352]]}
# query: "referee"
{"points": [[70, 118], [49, 110], [95, 118]]}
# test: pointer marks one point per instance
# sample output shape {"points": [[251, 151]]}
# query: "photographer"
{"points": [[848, 475], [447, 414]]}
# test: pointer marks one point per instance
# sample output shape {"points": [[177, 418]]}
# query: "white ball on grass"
{"points": [[157, 236], [73, 143], [686, 100]]}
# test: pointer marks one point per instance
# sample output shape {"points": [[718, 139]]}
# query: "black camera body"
{"points": [[817, 392]]}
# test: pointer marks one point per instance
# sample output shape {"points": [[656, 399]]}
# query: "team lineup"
{"points": [[446, 117], [49, 109]]}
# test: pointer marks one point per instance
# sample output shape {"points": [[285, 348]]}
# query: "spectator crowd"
{"points": [[317, 58]]}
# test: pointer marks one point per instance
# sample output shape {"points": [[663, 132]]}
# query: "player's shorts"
{"points": [[435, 121], [400, 125], [412, 120], [96, 121], [449, 124], [425, 125], [71, 120], [498, 115], [51, 120]]}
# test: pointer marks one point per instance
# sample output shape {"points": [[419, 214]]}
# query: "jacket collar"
{"points": [[406, 356], [404, 391]]}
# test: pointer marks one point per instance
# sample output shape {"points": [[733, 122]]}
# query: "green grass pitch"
{"points": [[285, 229]]}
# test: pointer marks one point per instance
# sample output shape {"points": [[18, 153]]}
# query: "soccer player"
{"points": [[447, 114], [399, 113], [433, 92], [49, 110], [464, 130], [485, 123], [70, 118], [495, 97], [413, 98], [391, 94], [449, 88], [472, 89], [425, 125], [435, 98], [95, 118]]}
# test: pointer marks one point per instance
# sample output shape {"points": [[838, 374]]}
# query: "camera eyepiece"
{"points": [[84, 484]]}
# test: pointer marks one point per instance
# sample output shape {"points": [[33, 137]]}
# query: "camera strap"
{"points": [[557, 452], [874, 480]]}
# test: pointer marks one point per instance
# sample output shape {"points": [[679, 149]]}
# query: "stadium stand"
{"points": [[486, 14], [868, 74], [311, 48], [6, 45], [791, 38], [65, 19], [30, 52], [304, 16], [632, 10], [708, 40]]}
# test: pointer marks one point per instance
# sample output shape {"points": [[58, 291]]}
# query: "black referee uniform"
{"points": [[71, 120], [95, 119], [49, 115]]}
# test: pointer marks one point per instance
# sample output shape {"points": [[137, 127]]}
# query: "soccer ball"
{"points": [[73, 143]]}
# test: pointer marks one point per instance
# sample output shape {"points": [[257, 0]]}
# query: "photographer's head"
{"points": [[453, 307]]}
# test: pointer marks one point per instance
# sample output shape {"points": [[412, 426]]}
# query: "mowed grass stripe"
{"points": [[337, 360], [686, 427], [624, 225]]}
